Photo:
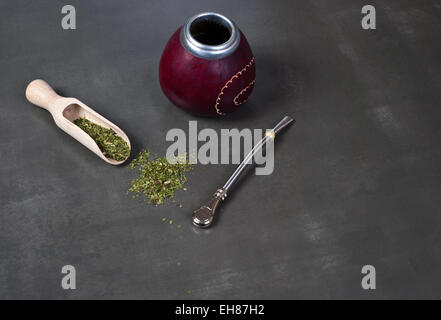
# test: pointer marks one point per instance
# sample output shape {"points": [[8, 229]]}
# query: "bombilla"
{"points": [[203, 217]]}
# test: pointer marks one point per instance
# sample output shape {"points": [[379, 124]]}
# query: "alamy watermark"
{"points": [[369, 281], [369, 20], [69, 21], [69, 281], [215, 147]]}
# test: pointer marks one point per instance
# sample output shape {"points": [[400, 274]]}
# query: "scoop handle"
{"points": [[40, 93]]}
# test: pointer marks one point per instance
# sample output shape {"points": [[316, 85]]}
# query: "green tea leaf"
{"points": [[158, 179], [110, 144]]}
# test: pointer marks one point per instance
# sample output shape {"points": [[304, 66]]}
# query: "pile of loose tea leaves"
{"points": [[110, 144], [158, 179]]}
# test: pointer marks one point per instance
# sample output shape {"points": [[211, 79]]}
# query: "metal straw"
{"points": [[203, 217]]}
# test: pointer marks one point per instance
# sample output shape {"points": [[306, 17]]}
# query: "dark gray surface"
{"points": [[357, 179]]}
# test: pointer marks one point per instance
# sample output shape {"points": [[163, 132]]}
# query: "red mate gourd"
{"points": [[207, 67]]}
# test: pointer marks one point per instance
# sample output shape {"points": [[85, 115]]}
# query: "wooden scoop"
{"points": [[66, 110]]}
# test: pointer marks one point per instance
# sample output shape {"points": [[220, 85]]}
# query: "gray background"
{"points": [[357, 178]]}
